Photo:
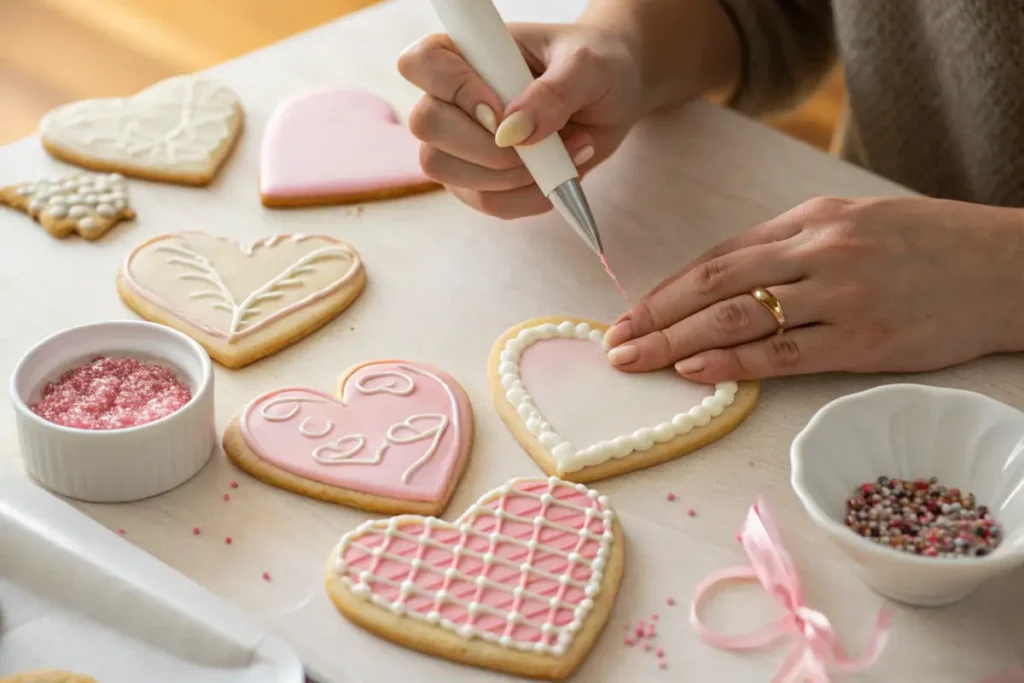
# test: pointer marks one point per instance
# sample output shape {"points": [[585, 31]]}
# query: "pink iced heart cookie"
{"points": [[550, 377], [338, 146], [396, 441], [522, 582]]}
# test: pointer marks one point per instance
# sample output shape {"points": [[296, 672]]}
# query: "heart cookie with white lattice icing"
{"points": [[522, 582], [179, 130], [86, 203], [241, 302], [583, 420]]}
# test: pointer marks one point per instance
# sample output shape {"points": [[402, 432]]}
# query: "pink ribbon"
{"points": [[817, 650]]}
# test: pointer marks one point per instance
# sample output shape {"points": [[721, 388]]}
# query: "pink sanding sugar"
{"points": [[112, 393]]}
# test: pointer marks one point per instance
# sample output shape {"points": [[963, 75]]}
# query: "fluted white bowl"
{"points": [[965, 439]]}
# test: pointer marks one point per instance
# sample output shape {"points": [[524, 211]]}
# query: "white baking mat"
{"points": [[75, 596]]}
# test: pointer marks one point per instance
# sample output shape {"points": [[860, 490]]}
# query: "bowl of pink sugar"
{"points": [[114, 411]]}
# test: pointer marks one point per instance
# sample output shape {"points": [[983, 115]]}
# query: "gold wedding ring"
{"points": [[773, 305]]}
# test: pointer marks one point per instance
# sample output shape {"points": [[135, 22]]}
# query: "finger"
{"points": [[714, 280], [449, 170], [435, 65], [801, 351], [780, 228], [575, 77], [452, 131], [725, 324], [525, 201]]}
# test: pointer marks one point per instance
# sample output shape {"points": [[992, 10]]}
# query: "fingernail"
{"points": [[690, 366], [618, 333], [623, 355], [513, 130], [485, 116], [583, 156]]}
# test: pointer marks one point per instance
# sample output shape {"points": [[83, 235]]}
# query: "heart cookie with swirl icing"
{"points": [[241, 302], [179, 130], [397, 440], [522, 582], [551, 376]]}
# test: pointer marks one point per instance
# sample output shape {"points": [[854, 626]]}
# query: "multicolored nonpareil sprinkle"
{"points": [[922, 517]]}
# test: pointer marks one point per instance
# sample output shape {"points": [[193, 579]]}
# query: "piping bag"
{"points": [[477, 29]]}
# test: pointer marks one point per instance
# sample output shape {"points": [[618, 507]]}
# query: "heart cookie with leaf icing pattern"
{"points": [[179, 130], [241, 302], [522, 582], [338, 146], [583, 420], [396, 441]]}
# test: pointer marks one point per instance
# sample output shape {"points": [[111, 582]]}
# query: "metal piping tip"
{"points": [[569, 200]]}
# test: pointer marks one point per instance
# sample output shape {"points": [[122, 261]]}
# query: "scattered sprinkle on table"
{"points": [[227, 497], [691, 513], [660, 653], [120, 532], [266, 576], [662, 665], [671, 497], [922, 517], [655, 617], [227, 540], [195, 531], [112, 393], [648, 647], [233, 484], [628, 642], [670, 601]]}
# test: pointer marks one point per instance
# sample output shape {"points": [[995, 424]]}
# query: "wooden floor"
{"points": [[116, 47]]}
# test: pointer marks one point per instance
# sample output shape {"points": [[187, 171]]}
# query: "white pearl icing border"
{"points": [[567, 457], [85, 198], [565, 633]]}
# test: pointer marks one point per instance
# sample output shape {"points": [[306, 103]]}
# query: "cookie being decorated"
{"points": [[87, 203], [397, 440], [179, 130], [583, 420], [241, 302], [338, 146], [522, 582]]}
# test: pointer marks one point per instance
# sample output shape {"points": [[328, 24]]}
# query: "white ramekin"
{"points": [[117, 465]]}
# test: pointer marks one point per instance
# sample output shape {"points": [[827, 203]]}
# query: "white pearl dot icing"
{"points": [[569, 457], [77, 197]]}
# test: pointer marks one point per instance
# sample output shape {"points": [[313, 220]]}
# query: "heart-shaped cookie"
{"points": [[240, 302], [397, 440], [179, 130], [338, 146], [583, 420], [523, 581]]}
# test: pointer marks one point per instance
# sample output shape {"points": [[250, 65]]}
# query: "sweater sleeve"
{"points": [[788, 49]]}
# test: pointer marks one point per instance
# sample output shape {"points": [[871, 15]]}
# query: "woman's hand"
{"points": [[866, 285], [588, 90]]}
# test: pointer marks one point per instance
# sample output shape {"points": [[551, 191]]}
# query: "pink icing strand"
{"points": [[330, 427], [818, 648], [514, 568], [615, 279]]}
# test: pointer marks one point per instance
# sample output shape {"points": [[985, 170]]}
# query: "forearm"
{"points": [[685, 48]]}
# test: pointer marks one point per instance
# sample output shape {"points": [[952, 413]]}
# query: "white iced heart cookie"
{"points": [[179, 130], [522, 582], [583, 420], [241, 302], [86, 203]]}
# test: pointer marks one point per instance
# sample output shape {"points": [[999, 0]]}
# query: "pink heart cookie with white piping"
{"points": [[522, 582], [337, 147], [397, 440], [551, 376]]}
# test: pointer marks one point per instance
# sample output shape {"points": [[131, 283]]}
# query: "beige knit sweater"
{"points": [[935, 87]]}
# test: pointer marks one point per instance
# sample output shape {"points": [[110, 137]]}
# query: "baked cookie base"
{"points": [[195, 178], [433, 640], [62, 227], [743, 404], [239, 452], [261, 343], [291, 202], [48, 676]]}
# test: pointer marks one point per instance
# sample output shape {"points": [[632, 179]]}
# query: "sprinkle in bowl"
{"points": [[116, 464], [915, 434]]}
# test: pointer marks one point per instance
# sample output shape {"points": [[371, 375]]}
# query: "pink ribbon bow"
{"points": [[818, 650]]}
